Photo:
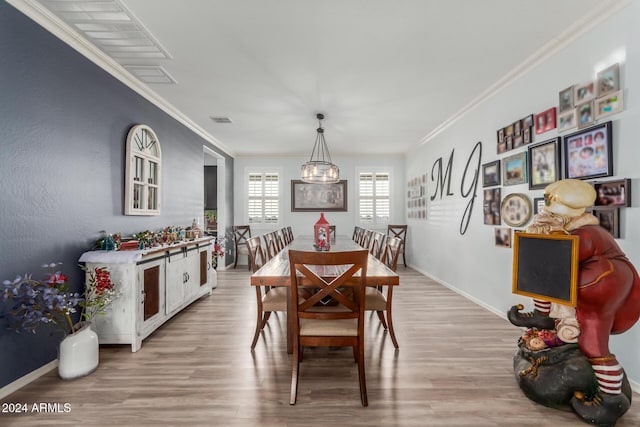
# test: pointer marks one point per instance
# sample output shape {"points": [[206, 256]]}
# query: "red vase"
{"points": [[321, 234]]}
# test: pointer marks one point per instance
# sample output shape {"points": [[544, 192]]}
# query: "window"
{"points": [[142, 175], [264, 197], [374, 194]]}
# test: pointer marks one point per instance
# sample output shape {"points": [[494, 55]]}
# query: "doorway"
{"points": [[214, 196]]}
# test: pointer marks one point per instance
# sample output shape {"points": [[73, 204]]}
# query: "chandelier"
{"points": [[319, 169]]}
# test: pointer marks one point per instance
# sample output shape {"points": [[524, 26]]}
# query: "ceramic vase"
{"points": [[78, 353]]}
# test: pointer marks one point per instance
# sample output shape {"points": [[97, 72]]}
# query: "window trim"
{"points": [[262, 171], [374, 170]]}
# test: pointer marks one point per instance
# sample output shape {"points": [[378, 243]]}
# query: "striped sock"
{"points": [[542, 307], [609, 375]]}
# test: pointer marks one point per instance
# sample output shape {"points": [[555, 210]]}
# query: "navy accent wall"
{"points": [[63, 125]]}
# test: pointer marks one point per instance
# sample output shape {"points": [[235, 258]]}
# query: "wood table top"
{"points": [[276, 271]]}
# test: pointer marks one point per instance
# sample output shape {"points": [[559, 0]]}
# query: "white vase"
{"points": [[78, 353]]}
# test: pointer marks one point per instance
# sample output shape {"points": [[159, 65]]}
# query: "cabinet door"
{"points": [[151, 291], [176, 281]]}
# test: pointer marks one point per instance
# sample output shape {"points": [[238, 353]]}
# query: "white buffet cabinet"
{"points": [[154, 285]]}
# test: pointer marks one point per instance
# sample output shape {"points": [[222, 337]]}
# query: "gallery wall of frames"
{"points": [[584, 151]]}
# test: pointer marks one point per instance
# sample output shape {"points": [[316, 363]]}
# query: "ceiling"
{"points": [[388, 75]]}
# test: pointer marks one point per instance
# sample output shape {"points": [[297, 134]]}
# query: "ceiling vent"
{"points": [[151, 74], [221, 119], [110, 26]]}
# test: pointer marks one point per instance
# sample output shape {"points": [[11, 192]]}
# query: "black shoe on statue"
{"points": [[532, 319], [603, 410]]}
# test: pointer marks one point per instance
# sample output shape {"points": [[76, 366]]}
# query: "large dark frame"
{"points": [[578, 166], [313, 202], [490, 179], [535, 183]]}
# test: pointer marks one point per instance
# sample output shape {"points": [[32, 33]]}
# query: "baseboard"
{"points": [[30, 377], [635, 386]]}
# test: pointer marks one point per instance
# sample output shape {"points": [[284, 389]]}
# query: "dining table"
{"points": [[276, 271]]}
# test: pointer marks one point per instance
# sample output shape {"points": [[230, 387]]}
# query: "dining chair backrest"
{"points": [[365, 240], [357, 232], [332, 310], [392, 249], [399, 231], [270, 244], [376, 246], [241, 233], [257, 257], [290, 233], [278, 236]]}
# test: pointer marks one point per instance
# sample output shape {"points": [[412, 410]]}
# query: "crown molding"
{"points": [[597, 15], [43, 17]]}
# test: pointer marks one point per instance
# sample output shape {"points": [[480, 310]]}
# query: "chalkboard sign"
{"points": [[545, 266]]}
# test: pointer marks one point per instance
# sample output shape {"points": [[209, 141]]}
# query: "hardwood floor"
{"points": [[453, 368]]}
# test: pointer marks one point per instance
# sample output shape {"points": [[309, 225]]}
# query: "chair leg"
{"points": [[257, 333], [363, 383], [265, 318], [235, 262], [260, 321], [295, 368], [381, 317], [392, 333]]}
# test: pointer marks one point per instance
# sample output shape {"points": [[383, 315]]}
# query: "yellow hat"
{"points": [[569, 197]]}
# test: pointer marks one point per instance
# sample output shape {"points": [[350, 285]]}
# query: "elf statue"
{"points": [[608, 297]]}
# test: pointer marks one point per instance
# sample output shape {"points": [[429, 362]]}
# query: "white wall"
{"points": [[471, 263], [302, 222]]}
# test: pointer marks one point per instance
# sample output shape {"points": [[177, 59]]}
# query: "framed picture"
{"points": [[538, 204], [514, 169], [566, 102], [545, 266], [584, 92], [613, 193], [509, 142], [502, 147], [545, 121], [608, 80], [609, 220], [544, 163], [567, 120], [516, 210], [588, 153], [585, 114], [527, 122], [508, 131], [517, 127], [609, 104], [318, 197], [491, 206], [500, 136], [503, 237], [491, 174], [518, 140], [526, 135]]}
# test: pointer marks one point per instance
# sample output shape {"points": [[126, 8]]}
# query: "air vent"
{"points": [[151, 74], [221, 119]]}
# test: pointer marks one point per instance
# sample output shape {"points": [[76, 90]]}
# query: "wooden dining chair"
{"points": [[399, 231], [268, 299], [357, 232], [337, 325], [241, 233], [376, 300], [290, 233], [365, 240], [271, 245], [286, 238], [376, 247]]}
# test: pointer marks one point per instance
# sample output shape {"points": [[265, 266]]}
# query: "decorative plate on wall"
{"points": [[516, 209]]}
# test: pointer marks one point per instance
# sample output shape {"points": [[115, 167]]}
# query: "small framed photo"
{"points": [[613, 193], [527, 122], [509, 142], [502, 147], [608, 80], [584, 92], [538, 204], [609, 104], [609, 220], [526, 135], [545, 121], [588, 152], [500, 135], [518, 141], [544, 163], [491, 206], [585, 114], [514, 169], [566, 102], [517, 127], [516, 209], [503, 237], [508, 131], [540, 122], [567, 120], [491, 174]]}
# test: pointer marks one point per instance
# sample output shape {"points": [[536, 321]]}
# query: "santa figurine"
{"points": [[608, 299]]}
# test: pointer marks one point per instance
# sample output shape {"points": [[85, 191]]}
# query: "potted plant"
{"points": [[37, 303]]}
